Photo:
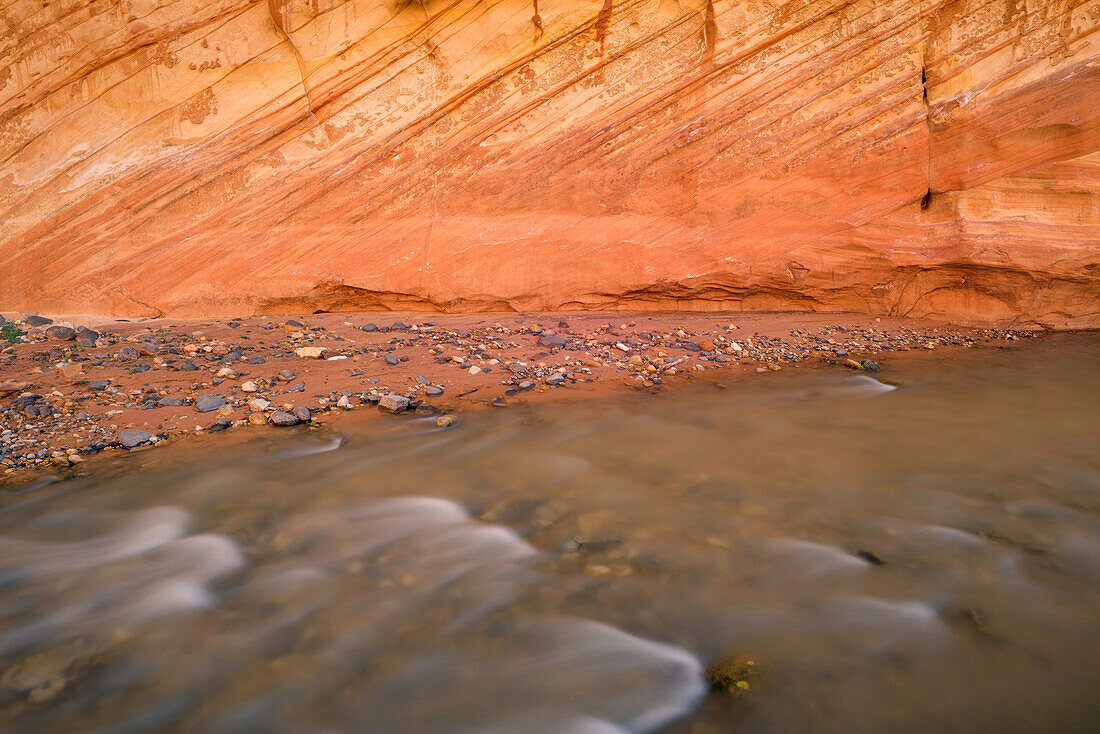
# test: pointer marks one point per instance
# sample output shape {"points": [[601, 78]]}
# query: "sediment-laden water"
{"points": [[919, 558]]}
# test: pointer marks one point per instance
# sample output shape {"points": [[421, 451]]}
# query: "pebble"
{"points": [[433, 392], [208, 403], [283, 418], [445, 421], [393, 402], [249, 386], [310, 352], [391, 360], [132, 437]]}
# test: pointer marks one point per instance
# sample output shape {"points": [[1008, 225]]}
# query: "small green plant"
{"points": [[10, 332]]}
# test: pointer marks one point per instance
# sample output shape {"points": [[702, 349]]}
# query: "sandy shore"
{"points": [[118, 385]]}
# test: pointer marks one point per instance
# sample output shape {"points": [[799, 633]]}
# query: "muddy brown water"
{"points": [[925, 558]]}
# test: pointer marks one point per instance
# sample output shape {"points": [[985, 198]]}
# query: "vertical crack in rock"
{"points": [[927, 198], [710, 32], [536, 21], [274, 8], [602, 21], [925, 33]]}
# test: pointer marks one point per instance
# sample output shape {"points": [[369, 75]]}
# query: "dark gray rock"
{"points": [[171, 402], [300, 387], [258, 359], [552, 340], [283, 418], [86, 335], [132, 437], [99, 385], [869, 365], [286, 375], [433, 392], [421, 379], [302, 413], [33, 319], [391, 360], [294, 323], [61, 333], [555, 379], [208, 403], [369, 327]]}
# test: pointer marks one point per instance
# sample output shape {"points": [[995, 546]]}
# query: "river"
{"points": [[909, 551]]}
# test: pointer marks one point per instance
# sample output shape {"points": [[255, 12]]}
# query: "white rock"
{"points": [[310, 352], [249, 386], [475, 370]]}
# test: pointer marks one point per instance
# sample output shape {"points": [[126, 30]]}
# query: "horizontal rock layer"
{"points": [[912, 157]]}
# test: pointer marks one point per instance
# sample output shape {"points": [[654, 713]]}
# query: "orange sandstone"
{"points": [[220, 157]]}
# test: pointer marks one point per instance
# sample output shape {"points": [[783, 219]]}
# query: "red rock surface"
{"points": [[923, 158]]}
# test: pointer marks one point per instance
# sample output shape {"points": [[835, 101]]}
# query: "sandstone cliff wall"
{"points": [[919, 157]]}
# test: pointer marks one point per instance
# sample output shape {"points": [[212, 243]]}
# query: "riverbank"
{"points": [[72, 387]]}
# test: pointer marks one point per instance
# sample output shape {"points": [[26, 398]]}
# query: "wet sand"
{"points": [[68, 399]]}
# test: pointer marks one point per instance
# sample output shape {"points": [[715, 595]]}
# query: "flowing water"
{"points": [[923, 557]]}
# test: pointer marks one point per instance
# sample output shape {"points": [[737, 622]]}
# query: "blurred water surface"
{"points": [[910, 559]]}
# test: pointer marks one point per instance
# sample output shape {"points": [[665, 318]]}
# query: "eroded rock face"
{"points": [[223, 157]]}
